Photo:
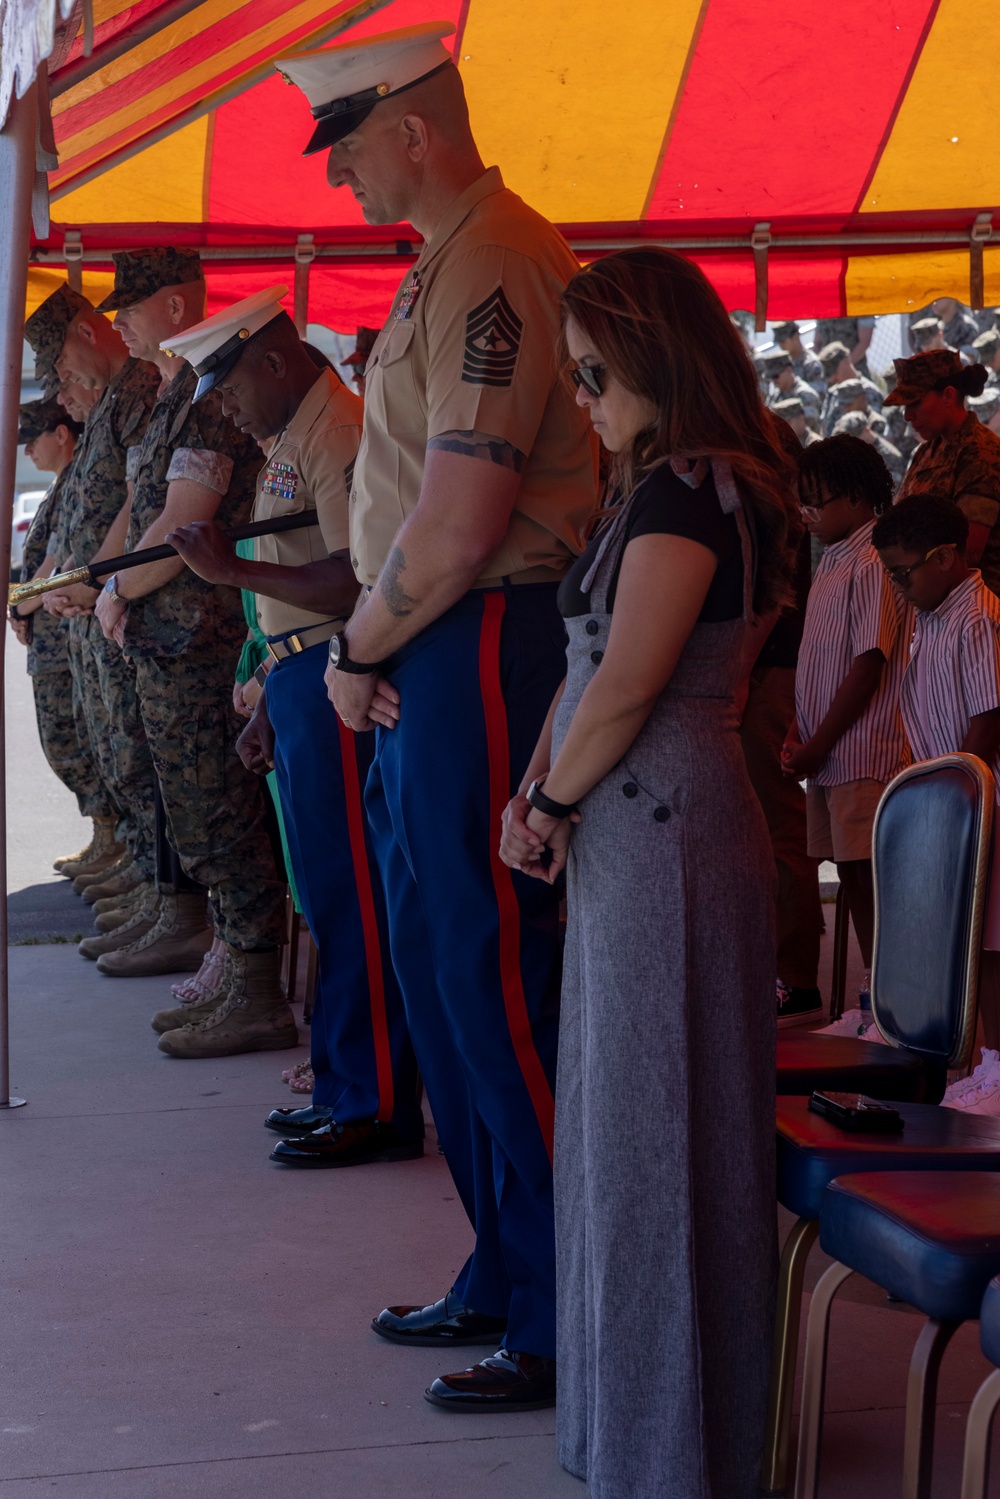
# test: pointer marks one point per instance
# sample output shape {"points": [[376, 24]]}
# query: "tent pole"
{"points": [[17, 177]]}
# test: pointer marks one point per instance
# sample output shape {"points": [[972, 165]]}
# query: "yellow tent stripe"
{"points": [[902, 283], [939, 154], [271, 35], [155, 49], [576, 96], [162, 184]]}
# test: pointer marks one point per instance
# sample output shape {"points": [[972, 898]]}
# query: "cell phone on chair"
{"points": [[857, 1112]]}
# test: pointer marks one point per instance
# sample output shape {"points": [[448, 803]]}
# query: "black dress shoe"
{"points": [[298, 1121], [506, 1381], [356, 1144], [442, 1322]]}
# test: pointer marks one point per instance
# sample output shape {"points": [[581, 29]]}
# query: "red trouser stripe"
{"points": [[369, 923], [498, 755]]}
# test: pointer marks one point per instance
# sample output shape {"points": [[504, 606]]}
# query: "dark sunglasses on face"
{"points": [[588, 376]]}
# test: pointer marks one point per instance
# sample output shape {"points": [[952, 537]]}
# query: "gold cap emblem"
{"points": [[243, 333], [382, 88]]}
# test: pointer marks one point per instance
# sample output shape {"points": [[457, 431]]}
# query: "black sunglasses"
{"points": [[589, 377]]}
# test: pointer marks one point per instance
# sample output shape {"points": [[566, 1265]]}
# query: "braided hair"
{"points": [[847, 466]]}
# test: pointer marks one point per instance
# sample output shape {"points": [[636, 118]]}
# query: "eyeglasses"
{"points": [[588, 376], [900, 575], [811, 512]]}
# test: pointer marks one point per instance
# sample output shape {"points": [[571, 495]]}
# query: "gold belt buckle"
{"points": [[273, 652], [295, 646]]}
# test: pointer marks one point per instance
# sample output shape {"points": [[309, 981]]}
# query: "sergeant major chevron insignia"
{"points": [[492, 342]]}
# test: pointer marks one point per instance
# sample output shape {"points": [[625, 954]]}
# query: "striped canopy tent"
{"points": [[814, 161]]}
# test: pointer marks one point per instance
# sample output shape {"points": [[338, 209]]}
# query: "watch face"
{"points": [[335, 649]]}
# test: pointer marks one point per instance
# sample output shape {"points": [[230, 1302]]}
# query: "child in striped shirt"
{"points": [[950, 701], [847, 738]]}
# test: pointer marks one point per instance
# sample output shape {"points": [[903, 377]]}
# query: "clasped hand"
{"points": [[362, 702], [527, 833]]}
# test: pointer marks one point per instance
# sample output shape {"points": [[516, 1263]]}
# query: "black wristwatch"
{"points": [[545, 804], [341, 661]]}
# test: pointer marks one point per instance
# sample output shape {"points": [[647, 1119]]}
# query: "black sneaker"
{"points": [[798, 1006]]}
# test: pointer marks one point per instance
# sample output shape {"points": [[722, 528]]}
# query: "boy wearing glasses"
{"points": [[847, 739], [950, 699]]}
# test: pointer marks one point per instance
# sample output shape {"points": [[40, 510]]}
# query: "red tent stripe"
{"points": [[740, 145], [897, 105], [192, 53]]}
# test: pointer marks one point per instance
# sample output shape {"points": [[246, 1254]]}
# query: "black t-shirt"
{"points": [[665, 505]]}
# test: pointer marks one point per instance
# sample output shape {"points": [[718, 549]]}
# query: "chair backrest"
{"points": [[932, 844]]}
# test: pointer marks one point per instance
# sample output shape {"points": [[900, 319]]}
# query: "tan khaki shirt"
{"points": [[308, 468], [471, 346]]}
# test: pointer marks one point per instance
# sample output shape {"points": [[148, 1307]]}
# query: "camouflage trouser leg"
{"points": [[131, 763], [214, 806], [69, 758], [108, 805]]}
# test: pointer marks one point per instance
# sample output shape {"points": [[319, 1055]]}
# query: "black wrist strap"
{"points": [[546, 804]]}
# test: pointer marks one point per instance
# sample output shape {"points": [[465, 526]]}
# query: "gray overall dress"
{"points": [[664, 1149]]}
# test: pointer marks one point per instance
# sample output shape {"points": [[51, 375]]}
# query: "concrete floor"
{"points": [[182, 1318]]}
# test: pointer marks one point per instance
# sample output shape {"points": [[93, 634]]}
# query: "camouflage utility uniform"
{"points": [[114, 426], [62, 728], [964, 466], [844, 330], [184, 640]]}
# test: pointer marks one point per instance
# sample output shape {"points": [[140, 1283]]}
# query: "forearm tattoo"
{"points": [[480, 445], [397, 601]]}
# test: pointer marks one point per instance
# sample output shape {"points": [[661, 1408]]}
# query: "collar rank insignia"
{"points": [[280, 479], [408, 300]]}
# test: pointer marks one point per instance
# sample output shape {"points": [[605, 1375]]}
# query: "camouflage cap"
{"points": [[851, 421], [784, 330], [45, 330], [36, 417], [987, 343], [986, 405], [832, 354], [848, 390], [776, 360], [139, 273], [877, 422], [363, 347], [921, 373], [790, 407], [924, 330]]}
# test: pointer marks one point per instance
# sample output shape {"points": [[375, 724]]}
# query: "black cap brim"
{"points": [[218, 372], [333, 129]]}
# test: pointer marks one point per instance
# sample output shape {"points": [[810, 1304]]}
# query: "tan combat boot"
{"points": [[79, 858], [200, 1009], [118, 884], [112, 913], [137, 923], [176, 943], [252, 1017], [104, 849], [90, 877]]}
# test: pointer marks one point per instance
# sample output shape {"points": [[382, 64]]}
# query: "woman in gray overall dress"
{"points": [[664, 1155]]}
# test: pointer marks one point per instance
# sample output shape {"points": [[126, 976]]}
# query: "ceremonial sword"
{"points": [[19, 593]]}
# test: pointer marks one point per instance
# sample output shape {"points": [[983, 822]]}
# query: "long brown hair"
{"points": [[664, 334]]}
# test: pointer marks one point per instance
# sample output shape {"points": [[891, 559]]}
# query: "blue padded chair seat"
{"points": [[847, 1064], [932, 1238], [989, 1322], [812, 1151]]}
